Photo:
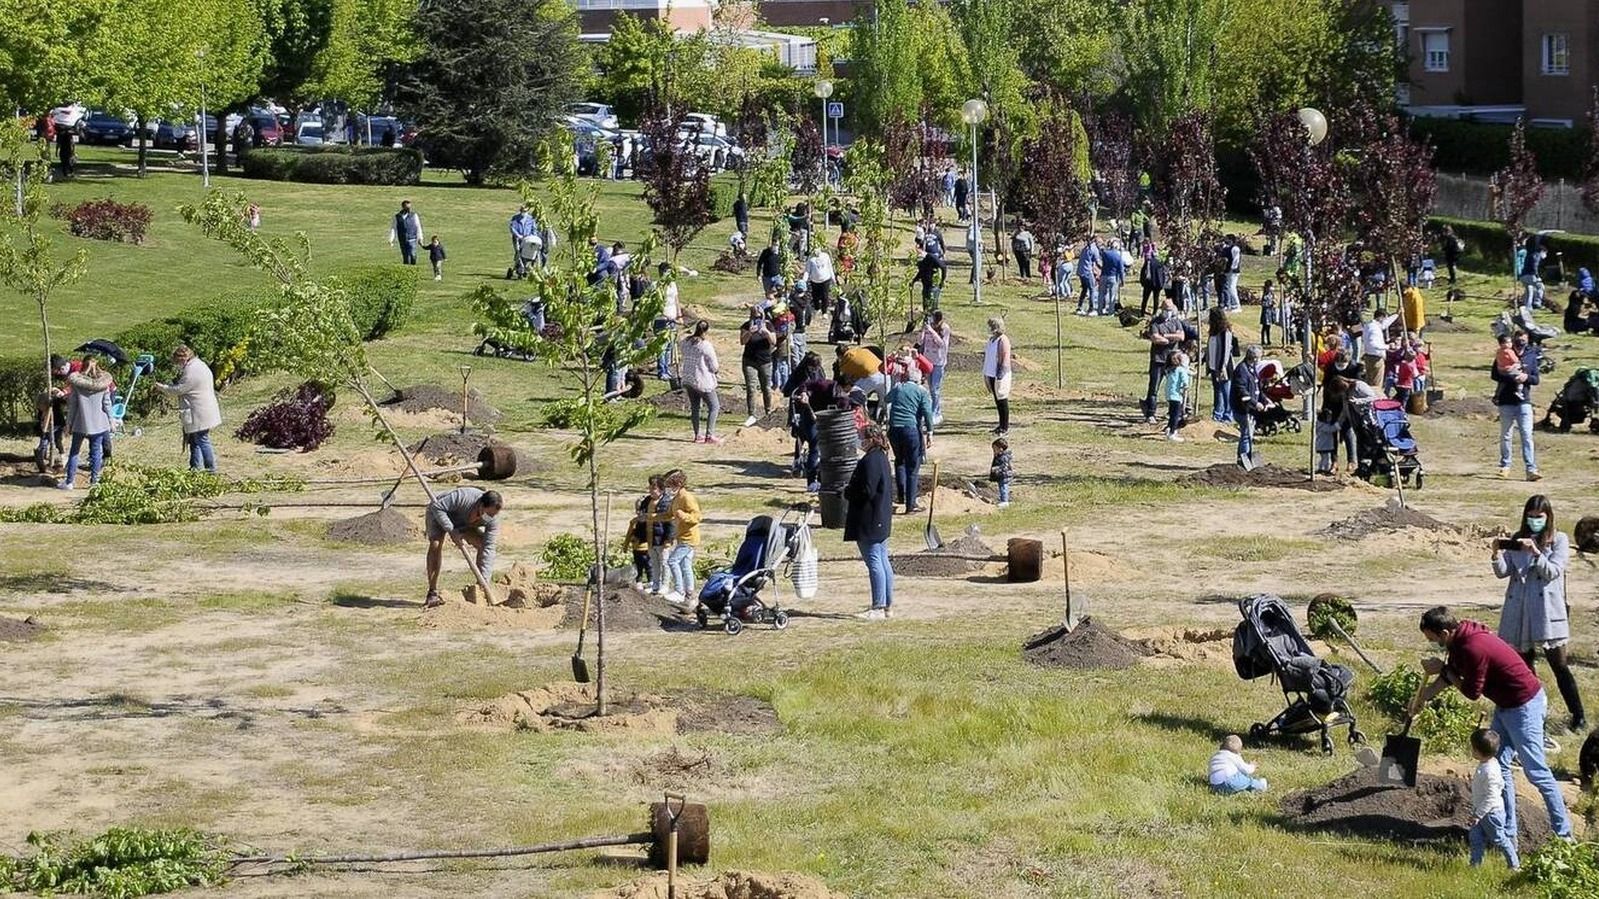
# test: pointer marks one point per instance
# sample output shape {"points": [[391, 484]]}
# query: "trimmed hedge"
{"points": [[381, 300], [1488, 246], [335, 165], [724, 191], [1482, 148]]}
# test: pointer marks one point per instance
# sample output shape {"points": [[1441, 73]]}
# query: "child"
{"points": [[1488, 801], [253, 216], [1177, 380], [1002, 470], [436, 256], [662, 533], [1405, 376], [1268, 311], [638, 538], [1229, 773], [1506, 359]]}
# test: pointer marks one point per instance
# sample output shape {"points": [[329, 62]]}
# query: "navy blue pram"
{"points": [[1384, 443], [734, 594]]}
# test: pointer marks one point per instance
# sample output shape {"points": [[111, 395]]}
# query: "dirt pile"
{"points": [[732, 406], [1388, 518], [626, 609], [1226, 474], [13, 630], [429, 397], [1471, 407], [1185, 644], [456, 615], [451, 447], [959, 557], [385, 527], [518, 587], [982, 491], [728, 885], [1436, 325], [704, 711], [773, 440], [1090, 645], [570, 707], [1439, 808]]}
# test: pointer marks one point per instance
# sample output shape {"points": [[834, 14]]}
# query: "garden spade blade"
{"points": [[1073, 613], [1400, 754], [930, 533]]}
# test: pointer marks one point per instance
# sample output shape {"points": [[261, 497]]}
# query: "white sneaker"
{"points": [[1093, 315], [1005, 505], [749, 421], [1174, 437], [888, 612], [872, 615], [675, 598]]}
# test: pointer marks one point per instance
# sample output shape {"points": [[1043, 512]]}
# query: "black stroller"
{"points": [[1384, 444], [1268, 642], [770, 547], [1578, 401], [848, 321]]}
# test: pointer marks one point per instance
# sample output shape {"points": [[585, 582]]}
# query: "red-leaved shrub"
{"points": [[106, 219], [297, 420]]}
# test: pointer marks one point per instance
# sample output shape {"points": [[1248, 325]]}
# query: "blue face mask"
{"points": [[1536, 525]]}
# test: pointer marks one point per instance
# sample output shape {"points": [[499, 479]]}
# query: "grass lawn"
{"points": [[249, 676]]}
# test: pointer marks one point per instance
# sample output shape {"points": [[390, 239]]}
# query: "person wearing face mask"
{"points": [[1536, 615], [1167, 332], [1479, 664]]}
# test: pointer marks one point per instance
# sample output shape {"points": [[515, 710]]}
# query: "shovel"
{"points": [[1073, 616], [466, 374], [930, 533], [580, 666], [1400, 755]]}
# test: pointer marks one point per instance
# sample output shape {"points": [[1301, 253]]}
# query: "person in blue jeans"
{"points": [[1247, 403], [1513, 396], [1002, 470], [88, 419], [1479, 663], [1488, 801], [910, 432], [869, 520], [1229, 773], [1088, 276]]}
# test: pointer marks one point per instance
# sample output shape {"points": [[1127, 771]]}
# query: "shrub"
{"points": [[1565, 869], [122, 863], [381, 297], [724, 191], [567, 557], [130, 494], [21, 381], [296, 419], [1488, 246], [335, 165], [106, 219], [1482, 148], [1445, 723]]}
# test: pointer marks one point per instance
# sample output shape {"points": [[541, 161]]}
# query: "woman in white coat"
{"points": [[198, 411], [1537, 616]]}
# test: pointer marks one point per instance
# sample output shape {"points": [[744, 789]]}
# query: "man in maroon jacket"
{"points": [[1478, 663]]}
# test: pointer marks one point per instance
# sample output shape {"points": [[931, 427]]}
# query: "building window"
{"points": [[1402, 23], [1556, 55], [1435, 51]]}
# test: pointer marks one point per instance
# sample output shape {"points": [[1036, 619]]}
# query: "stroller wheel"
{"points": [[1418, 480], [700, 616], [1293, 425], [733, 627], [1356, 738], [1326, 745], [1257, 732], [780, 620]]}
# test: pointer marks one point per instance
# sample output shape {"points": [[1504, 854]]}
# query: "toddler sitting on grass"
{"points": [[1229, 773]]}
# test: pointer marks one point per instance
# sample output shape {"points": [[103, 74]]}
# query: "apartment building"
{"points": [[1499, 60], [598, 18]]}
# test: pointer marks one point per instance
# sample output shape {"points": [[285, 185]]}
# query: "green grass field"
{"points": [[919, 758]]}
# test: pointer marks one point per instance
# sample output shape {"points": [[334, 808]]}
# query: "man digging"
{"points": [[465, 515]]}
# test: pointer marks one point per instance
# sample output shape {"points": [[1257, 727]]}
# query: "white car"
{"points": [[309, 134], [705, 123], [716, 152], [68, 116], [597, 114]]}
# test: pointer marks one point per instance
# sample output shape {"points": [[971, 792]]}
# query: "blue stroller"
{"points": [[1386, 449], [770, 548]]}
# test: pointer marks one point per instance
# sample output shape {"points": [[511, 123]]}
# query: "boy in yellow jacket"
{"points": [[685, 519]]}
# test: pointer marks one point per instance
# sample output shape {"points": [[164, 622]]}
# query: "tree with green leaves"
{"points": [[1172, 51], [366, 40], [633, 64], [297, 32], [487, 104], [28, 262], [585, 337], [878, 278]]}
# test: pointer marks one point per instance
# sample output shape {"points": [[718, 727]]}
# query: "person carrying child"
{"points": [[436, 257], [1488, 801], [1178, 377], [1268, 311], [1002, 470], [1229, 773]]}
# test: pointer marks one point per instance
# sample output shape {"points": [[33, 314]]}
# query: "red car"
{"points": [[268, 132]]}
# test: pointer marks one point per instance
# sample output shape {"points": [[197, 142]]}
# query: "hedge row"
{"points": [[381, 299], [335, 165], [1482, 148], [1488, 246]]}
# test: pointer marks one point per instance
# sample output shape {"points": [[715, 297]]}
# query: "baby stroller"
{"points": [[1383, 443], [533, 313], [1576, 402], [771, 546], [1268, 642], [528, 252], [847, 322], [1278, 390]]}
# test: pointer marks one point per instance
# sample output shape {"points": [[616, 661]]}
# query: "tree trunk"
{"points": [[220, 137], [599, 543], [47, 422], [144, 143]]}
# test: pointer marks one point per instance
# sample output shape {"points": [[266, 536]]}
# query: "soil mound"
{"points": [[774, 440], [1227, 474], [626, 609], [959, 557], [385, 527], [1388, 518], [1089, 567], [981, 491], [1091, 645], [1436, 325], [1205, 431], [13, 630], [724, 713], [429, 397], [1185, 644], [1439, 808], [570, 707], [456, 616], [728, 885], [1471, 407]]}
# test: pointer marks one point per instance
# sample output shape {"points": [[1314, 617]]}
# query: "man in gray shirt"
{"points": [[466, 515]]}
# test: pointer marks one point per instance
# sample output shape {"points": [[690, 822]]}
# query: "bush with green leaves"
{"points": [[335, 165], [129, 494], [381, 297], [21, 382], [1445, 724], [567, 557], [1564, 869], [122, 863]]}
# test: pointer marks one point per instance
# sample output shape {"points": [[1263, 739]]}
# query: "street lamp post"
{"points": [[974, 112], [1315, 132], [204, 135], [823, 90]]}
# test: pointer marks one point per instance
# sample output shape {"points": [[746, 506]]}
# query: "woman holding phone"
{"points": [[1536, 616]]}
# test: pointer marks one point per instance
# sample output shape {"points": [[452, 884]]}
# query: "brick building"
{"points": [[1499, 60]]}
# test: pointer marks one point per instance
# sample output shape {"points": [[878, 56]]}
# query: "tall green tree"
{"points": [[907, 60], [490, 81], [298, 32], [1172, 50], [633, 64], [39, 51], [367, 38]]}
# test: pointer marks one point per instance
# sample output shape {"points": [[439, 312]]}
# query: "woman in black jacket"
{"points": [[869, 518]]}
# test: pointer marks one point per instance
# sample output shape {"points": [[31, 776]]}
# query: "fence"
{"points": [[1561, 207]]}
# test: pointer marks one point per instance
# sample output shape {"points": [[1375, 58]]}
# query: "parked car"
{"points": [[309, 134], [717, 152], [705, 123], [372, 130], [68, 116], [268, 132], [101, 127], [598, 113], [168, 135]]}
